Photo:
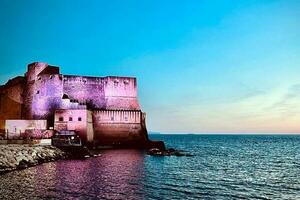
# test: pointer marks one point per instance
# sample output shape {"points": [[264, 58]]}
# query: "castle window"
{"points": [[126, 118], [51, 76], [70, 119], [39, 78], [126, 82], [37, 92], [112, 118], [60, 119], [116, 82], [79, 119]]}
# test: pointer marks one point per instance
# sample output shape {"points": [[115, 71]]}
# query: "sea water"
{"points": [[223, 167]]}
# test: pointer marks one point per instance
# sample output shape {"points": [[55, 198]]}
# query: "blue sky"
{"points": [[202, 66]]}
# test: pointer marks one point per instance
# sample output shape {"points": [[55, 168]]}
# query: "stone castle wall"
{"points": [[85, 90], [47, 97], [11, 101], [30, 90], [102, 92], [121, 93], [115, 115], [44, 92], [118, 126]]}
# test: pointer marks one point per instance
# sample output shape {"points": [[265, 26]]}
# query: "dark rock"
{"points": [[156, 145], [167, 152], [22, 164]]}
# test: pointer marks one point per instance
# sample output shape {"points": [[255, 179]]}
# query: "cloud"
{"points": [[289, 104]]}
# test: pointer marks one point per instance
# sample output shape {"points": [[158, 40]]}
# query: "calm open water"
{"points": [[224, 167]]}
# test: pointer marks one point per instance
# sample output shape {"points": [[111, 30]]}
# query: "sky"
{"points": [[203, 66]]}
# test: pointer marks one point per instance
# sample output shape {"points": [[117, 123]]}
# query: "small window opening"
{"points": [[51, 76], [38, 92], [61, 119], [70, 119], [79, 119], [112, 118]]}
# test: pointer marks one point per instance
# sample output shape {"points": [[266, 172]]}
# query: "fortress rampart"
{"points": [[109, 106]]}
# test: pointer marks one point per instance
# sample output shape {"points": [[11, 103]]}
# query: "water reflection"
{"points": [[117, 174], [224, 167]]}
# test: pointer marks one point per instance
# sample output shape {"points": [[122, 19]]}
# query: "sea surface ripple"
{"points": [[223, 167]]}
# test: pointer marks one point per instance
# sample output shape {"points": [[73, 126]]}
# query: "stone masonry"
{"points": [[109, 105]]}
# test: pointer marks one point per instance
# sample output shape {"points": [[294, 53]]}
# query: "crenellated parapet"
{"points": [[118, 116]]}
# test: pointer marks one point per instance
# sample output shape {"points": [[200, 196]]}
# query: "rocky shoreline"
{"points": [[14, 156]]}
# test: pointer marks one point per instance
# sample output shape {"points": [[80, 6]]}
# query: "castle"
{"points": [[103, 110]]}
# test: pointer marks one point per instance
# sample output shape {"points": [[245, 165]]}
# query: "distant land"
{"points": [[153, 133]]}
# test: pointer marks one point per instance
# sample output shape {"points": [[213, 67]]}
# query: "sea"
{"points": [[222, 167]]}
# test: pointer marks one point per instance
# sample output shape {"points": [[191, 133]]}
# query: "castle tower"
{"points": [[103, 110], [43, 91]]}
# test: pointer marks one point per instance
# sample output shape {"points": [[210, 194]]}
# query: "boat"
{"points": [[66, 139]]}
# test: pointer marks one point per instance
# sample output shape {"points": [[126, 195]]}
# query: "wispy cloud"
{"points": [[289, 103]]}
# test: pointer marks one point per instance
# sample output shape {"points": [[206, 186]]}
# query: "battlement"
{"points": [[118, 116], [116, 80]]}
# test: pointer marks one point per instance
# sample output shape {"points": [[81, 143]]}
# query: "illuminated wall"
{"points": [[118, 126], [77, 120], [16, 128], [107, 106]]}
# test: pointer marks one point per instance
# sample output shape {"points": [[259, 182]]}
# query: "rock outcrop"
{"points": [[167, 152], [15, 156]]}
